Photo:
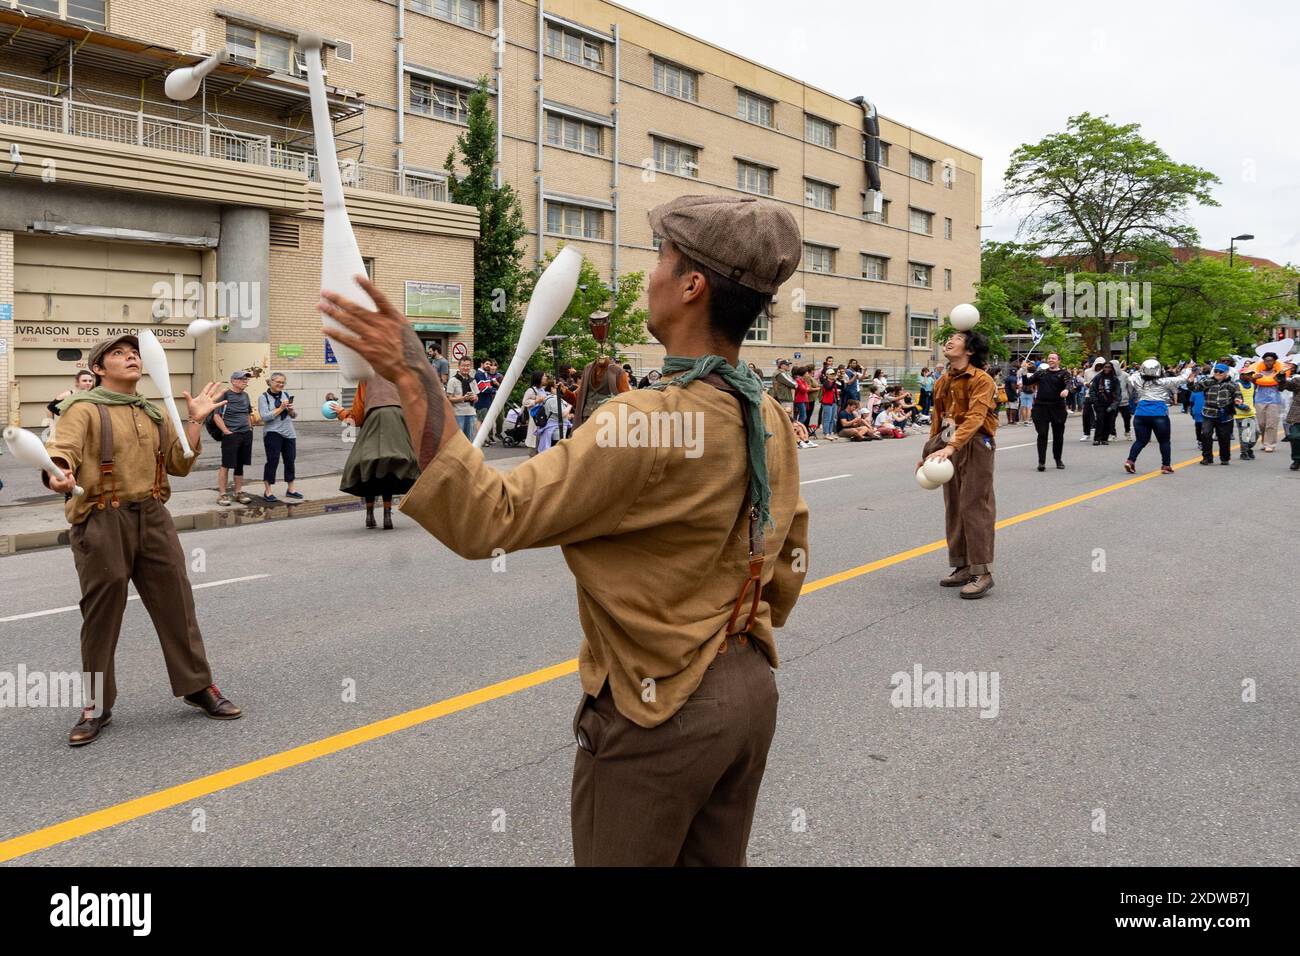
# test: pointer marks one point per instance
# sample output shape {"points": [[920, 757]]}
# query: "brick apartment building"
{"points": [[603, 114]]}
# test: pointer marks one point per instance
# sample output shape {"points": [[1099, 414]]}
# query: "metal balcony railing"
{"points": [[62, 115]]}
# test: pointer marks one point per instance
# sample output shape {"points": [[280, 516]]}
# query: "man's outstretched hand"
{"points": [[381, 336]]}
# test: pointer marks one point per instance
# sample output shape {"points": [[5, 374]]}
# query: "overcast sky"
{"points": [[1214, 84]]}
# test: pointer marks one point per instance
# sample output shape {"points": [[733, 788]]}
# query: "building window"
{"points": [[949, 174], [922, 168], [920, 333], [578, 221], [368, 263], [818, 131], [947, 280], [818, 258], [468, 13], [883, 215], [656, 241], [817, 324], [425, 187], [920, 274], [676, 81], [574, 47], [440, 100], [259, 48], [573, 134], [875, 267], [1124, 268], [677, 158], [753, 108], [818, 195], [753, 178], [920, 221], [873, 327], [79, 11], [761, 330], [884, 152], [947, 228]]}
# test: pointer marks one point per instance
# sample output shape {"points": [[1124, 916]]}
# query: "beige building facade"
{"points": [[603, 112]]}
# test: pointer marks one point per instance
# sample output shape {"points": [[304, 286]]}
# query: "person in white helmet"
{"points": [[1155, 392]]}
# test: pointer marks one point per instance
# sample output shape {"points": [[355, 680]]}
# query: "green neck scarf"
{"points": [[751, 389], [102, 396]]}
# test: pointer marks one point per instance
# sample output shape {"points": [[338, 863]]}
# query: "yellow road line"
{"points": [[222, 780]]}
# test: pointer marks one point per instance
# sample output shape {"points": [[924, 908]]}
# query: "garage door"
{"points": [[70, 293]]}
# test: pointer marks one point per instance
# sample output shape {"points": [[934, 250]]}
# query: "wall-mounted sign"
{"points": [[432, 300], [6, 311], [330, 357], [459, 351], [85, 335], [289, 351]]}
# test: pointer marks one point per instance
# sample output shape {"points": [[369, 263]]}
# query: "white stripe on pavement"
{"points": [[133, 597], [1009, 447], [813, 481]]}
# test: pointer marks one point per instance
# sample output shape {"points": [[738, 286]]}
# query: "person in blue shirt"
{"points": [[1198, 406], [487, 380]]}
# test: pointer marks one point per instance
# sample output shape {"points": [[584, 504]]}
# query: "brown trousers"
{"points": [[970, 511], [136, 542], [681, 793]]}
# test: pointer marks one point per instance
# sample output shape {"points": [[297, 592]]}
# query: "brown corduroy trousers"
{"points": [[970, 511], [136, 543], [681, 793]]}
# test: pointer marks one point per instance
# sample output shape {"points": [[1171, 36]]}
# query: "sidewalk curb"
{"points": [[212, 517]]}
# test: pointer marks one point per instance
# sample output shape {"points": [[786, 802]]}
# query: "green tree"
{"points": [[498, 251], [1100, 189]]}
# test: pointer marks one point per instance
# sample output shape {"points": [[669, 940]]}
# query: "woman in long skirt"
{"points": [[382, 463]]}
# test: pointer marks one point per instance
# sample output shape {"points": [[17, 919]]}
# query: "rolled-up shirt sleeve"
{"points": [[176, 462], [68, 445]]}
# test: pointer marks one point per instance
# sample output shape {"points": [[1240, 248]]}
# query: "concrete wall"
{"points": [[24, 201]]}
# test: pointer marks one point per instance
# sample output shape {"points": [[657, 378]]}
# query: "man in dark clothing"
{"points": [[1222, 400], [1104, 396], [1049, 409]]}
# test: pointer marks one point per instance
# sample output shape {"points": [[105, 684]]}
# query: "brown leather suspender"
{"points": [[757, 556], [108, 480]]}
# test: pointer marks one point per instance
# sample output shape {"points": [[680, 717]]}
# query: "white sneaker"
{"points": [[811, 444], [1086, 438]]}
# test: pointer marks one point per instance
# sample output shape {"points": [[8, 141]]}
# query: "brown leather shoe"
{"points": [[88, 727], [210, 701], [958, 577], [979, 586]]}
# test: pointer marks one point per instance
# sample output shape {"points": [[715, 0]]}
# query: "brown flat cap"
{"points": [[748, 240], [97, 353]]}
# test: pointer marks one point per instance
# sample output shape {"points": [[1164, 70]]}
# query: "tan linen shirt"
{"points": [[135, 445], [968, 397], [653, 535]]}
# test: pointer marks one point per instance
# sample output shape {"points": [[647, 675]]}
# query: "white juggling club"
{"points": [[154, 361], [340, 259], [551, 296], [201, 327], [28, 449], [182, 84]]}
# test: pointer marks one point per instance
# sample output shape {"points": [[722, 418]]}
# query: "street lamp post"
{"points": [[1232, 245]]}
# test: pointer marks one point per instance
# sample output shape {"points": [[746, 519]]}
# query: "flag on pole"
{"points": [[1033, 330]]}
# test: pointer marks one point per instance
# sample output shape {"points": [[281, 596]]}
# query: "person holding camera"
{"points": [[275, 406]]}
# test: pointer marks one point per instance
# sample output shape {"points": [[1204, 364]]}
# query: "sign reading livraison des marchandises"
{"points": [[86, 334]]}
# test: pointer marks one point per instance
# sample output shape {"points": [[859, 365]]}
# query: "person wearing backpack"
{"points": [[234, 425], [535, 394]]}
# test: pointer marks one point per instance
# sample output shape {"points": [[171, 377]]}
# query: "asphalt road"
{"points": [[1120, 690]]}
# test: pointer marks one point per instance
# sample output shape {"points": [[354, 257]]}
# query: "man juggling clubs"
{"points": [[963, 423], [120, 448]]}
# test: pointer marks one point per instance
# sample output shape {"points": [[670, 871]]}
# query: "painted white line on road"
{"points": [[813, 481], [133, 597], [1009, 447]]}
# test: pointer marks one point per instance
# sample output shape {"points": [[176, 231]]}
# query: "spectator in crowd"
{"points": [[1104, 396], [486, 381], [463, 394], [1011, 393], [852, 425], [558, 412], [440, 363], [926, 386], [538, 390], [783, 385], [830, 383], [880, 381], [1197, 401], [1127, 399], [1026, 392], [83, 381], [801, 393], [234, 421], [871, 405], [801, 433], [279, 437], [650, 378], [885, 424], [814, 398], [1290, 384], [851, 377]]}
